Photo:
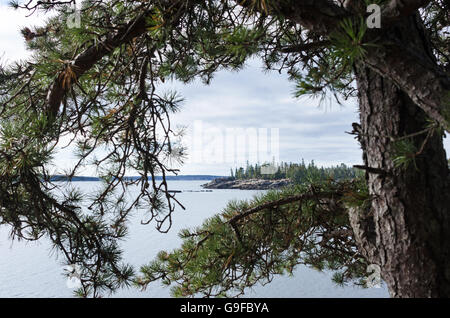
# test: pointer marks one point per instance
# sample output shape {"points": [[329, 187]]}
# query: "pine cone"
{"points": [[28, 34]]}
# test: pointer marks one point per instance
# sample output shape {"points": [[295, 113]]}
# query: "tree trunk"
{"points": [[406, 230]]}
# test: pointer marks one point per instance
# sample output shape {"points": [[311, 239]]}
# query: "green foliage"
{"points": [[349, 41], [239, 43], [446, 108], [359, 197], [404, 153], [298, 172], [238, 249]]}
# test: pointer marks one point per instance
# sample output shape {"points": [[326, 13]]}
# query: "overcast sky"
{"points": [[233, 106]]}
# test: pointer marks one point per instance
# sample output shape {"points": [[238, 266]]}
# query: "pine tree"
{"points": [[97, 82]]}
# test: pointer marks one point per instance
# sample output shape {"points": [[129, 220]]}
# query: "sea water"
{"points": [[32, 269]]}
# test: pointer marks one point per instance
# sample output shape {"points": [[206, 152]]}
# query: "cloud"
{"points": [[11, 22], [253, 98], [249, 98]]}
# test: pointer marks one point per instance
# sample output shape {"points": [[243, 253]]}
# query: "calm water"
{"points": [[30, 270]]}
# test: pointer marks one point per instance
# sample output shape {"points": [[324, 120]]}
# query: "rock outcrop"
{"points": [[250, 184]]}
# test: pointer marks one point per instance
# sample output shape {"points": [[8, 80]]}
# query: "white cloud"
{"points": [[250, 98], [11, 22]]}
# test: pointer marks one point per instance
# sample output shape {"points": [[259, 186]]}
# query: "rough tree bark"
{"points": [[406, 230]]}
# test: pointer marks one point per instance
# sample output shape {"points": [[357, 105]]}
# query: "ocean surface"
{"points": [[33, 270]]}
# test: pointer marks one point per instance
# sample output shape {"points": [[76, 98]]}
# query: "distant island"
{"points": [[271, 176]]}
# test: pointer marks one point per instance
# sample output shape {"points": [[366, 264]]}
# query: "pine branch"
{"points": [[284, 201], [305, 47]]}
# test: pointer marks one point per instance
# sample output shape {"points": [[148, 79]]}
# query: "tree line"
{"points": [[297, 172]]}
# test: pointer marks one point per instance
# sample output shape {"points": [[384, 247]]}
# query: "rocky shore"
{"points": [[250, 184]]}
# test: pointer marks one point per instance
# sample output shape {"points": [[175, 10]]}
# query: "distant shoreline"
{"points": [[174, 178], [215, 182]]}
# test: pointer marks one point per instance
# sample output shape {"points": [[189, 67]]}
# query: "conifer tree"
{"points": [[96, 83]]}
